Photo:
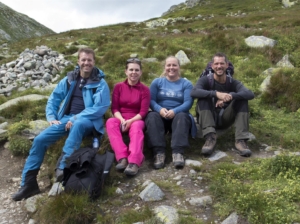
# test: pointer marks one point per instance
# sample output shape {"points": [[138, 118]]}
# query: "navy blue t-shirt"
{"points": [[76, 103]]}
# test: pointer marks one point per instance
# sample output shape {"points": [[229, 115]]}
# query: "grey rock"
{"points": [[232, 219], [41, 51], [176, 31], [287, 3], [217, 155], [152, 193], [36, 127], [56, 189], [11, 64], [31, 97], [3, 125], [189, 162], [31, 221], [149, 60], [47, 77], [259, 41], [201, 202], [268, 73], [284, 62], [166, 214], [30, 203], [182, 57], [29, 65], [134, 55], [192, 3], [119, 191]]}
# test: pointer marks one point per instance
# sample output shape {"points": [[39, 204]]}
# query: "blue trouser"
{"points": [[50, 135]]}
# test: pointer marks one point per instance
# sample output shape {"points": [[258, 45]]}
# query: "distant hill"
{"points": [[15, 26]]}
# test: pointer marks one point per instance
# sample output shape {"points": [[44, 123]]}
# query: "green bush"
{"points": [[264, 191], [67, 209], [18, 144], [283, 90]]}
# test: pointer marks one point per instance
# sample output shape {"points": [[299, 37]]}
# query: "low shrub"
{"points": [[264, 191]]}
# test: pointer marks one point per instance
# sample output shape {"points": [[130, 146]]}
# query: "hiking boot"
{"points": [[159, 160], [209, 145], [122, 164], [178, 160], [29, 188], [242, 148], [132, 169], [59, 174]]}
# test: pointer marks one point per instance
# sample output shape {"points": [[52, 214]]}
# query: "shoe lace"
{"points": [[209, 140], [130, 165], [160, 157], [243, 143], [178, 156]]}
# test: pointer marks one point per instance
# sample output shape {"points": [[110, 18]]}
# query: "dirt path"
{"points": [[10, 170]]}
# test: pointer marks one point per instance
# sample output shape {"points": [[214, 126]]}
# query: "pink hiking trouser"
{"points": [[134, 152]]}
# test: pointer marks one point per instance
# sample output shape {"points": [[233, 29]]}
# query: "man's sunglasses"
{"points": [[82, 83]]}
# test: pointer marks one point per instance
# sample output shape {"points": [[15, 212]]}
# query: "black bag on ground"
{"points": [[86, 171]]}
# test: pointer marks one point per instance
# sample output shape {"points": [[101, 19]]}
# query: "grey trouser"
{"points": [[235, 113]]}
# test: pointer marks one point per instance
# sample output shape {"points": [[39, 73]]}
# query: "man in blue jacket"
{"points": [[75, 108], [222, 101]]}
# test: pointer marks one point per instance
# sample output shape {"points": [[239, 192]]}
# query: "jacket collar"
{"points": [[138, 83]]}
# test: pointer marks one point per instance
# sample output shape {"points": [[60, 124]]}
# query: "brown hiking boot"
{"points": [[242, 147], [209, 145], [132, 169], [122, 164], [178, 160], [159, 160]]}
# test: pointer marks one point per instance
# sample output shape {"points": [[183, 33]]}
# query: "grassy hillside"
{"points": [[16, 26], [274, 115]]}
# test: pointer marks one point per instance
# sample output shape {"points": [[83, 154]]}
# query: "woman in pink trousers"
{"points": [[130, 105]]}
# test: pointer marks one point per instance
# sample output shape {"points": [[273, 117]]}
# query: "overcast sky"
{"points": [[64, 15]]}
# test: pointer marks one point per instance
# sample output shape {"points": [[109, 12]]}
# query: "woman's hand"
{"points": [[170, 114], [163, 112], [126, 125]]}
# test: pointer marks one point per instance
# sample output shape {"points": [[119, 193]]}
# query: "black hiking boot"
{"points": [[30, 187]]}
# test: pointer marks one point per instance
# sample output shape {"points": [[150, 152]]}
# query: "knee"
{"points": [[39, 139], [112, 122], [137, 126], [152, 116], [181, 116], [241, 105], [80, 124]]}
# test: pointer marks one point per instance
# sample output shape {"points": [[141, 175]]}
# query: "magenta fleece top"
{"points": [[130, 100]]}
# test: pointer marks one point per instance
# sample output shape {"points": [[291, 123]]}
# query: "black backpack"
{"points": [[86, 171]]}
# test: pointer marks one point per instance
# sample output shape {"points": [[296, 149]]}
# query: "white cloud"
{"points": [[63, 15]]}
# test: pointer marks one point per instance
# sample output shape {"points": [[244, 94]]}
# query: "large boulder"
{"points": [[259, 41], [182, 57]]}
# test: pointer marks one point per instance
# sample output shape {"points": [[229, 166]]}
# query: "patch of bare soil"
{"points": [[10, 176]]}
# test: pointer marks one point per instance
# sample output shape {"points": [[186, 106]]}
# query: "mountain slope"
{"points": [[15, 26]]}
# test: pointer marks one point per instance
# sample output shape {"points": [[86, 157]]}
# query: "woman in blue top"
{"points": [[170, 104]]}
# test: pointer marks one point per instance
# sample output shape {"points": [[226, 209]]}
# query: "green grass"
{"points": [[264, 191]]}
